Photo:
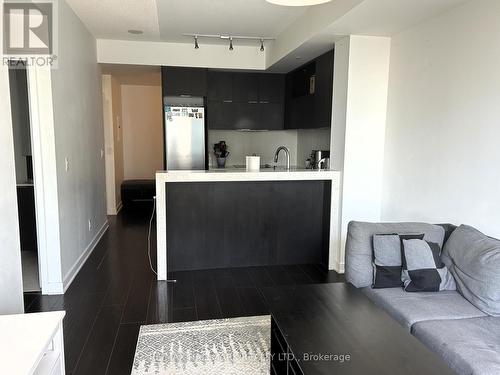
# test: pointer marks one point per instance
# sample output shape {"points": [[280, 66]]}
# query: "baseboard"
{"points": [[119, 207], [53, 288], [70, 276], [114, 210], [338, 267]]}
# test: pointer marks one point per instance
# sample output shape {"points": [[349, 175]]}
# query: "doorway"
{"points": [[18, 81]]}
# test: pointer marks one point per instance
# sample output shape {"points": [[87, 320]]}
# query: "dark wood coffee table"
{"points": [[335, 329]]}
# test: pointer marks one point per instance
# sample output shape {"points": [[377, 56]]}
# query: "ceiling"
{"points": [[319, 26], [110, 19], [167, 20], [389, 17], [256, 18], [370, 17]]}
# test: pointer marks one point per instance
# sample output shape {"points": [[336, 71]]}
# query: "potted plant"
{"points": [[221, 153]]}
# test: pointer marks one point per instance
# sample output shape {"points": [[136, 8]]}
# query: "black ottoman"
{"points": [[138, 194]]}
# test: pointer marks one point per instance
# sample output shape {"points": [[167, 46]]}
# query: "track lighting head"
{"points": [[231, 38]]}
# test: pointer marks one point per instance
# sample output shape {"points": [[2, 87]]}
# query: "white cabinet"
{"points": [[32, 344]]}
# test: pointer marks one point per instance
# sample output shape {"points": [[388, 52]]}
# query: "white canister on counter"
{"points": [[253, 163]]}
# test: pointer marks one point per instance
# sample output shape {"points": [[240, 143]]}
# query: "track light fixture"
{"points": [[230, 38]]}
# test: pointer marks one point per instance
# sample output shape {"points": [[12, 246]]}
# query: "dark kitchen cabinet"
{"points": [[221, 115], [255, 102], [323, 90], [180, 81], [234, 116], [246, 87], [249, 233], [259, 88], [271, 116], [301, 113], [308, 94], [220, 86], [247, 116], [235, 100], [271, 88]]}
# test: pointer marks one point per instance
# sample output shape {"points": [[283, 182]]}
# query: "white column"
{"points": [[361, 111], [161, 226]]}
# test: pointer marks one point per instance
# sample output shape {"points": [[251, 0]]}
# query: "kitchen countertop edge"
{"points": [[243, 175]]}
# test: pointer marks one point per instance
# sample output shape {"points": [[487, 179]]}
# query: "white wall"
{"points": [[339, 105], [180, 54], [11, 288], [442, 158], [365, 120], [79, 138], [142, 131], [117, 139], [311, 139], [113, 141]]}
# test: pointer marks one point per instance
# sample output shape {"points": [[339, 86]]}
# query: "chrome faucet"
{"points": [[287, 152], [322, 161]]}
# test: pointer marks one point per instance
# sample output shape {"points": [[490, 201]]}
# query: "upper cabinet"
{"points": [[245, 101], [179, 81], [246, 87], [308, 94], [220, 86], [324, 90], [301, 99], [271, 88]]}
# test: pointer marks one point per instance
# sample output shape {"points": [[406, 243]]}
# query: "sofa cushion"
{"points": [[474, 260], [469, 346], [359, 250], [410, 308], [387, 261], [423, 270]]}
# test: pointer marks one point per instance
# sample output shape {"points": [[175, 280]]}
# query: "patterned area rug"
{"points": [[222, 346]]}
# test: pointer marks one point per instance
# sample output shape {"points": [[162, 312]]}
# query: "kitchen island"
{"points": [[230, 217]]}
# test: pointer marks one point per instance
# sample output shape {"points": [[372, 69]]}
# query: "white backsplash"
{"points": [[264, 144], [311, 139]]}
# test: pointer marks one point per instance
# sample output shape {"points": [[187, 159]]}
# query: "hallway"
{"points": [[115, 292]]}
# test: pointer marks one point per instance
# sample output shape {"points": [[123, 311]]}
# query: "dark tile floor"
{"points": [[115, 292]]}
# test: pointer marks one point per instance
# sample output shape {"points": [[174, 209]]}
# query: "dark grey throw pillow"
{"points": [[387, 260], [423, 270]]}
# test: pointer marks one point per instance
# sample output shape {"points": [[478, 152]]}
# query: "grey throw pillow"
{"points": [[423, 270], [359, 246], [387, 261], [474, 260]]}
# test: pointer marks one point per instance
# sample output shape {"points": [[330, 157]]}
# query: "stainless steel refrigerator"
{"points": [[185, 133]]}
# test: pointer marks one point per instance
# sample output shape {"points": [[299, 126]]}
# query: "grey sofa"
{"points": [[464, 336]]}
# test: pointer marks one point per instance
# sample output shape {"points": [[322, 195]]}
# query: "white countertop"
{"points": [[24, 338], [240, 174]]}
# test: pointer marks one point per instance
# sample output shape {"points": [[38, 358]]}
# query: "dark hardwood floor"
{"points": [[115, 292]]}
